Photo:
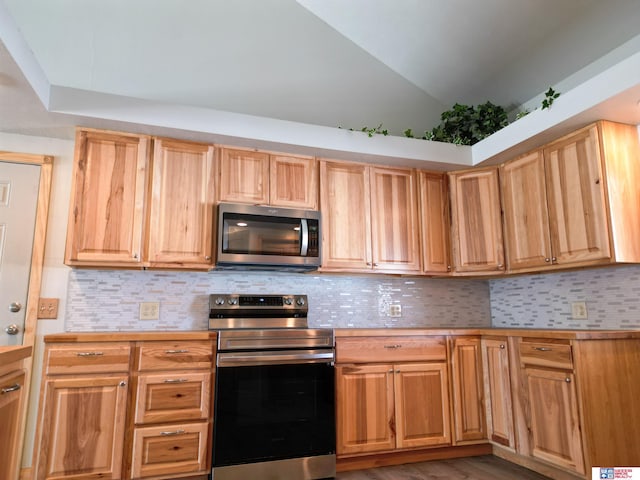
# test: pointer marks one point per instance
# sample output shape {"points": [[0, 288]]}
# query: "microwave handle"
{"points": [[304, 233]]}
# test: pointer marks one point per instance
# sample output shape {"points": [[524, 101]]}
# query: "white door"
{"points": [[18, 202]]}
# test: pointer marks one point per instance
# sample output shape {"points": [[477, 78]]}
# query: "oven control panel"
{"points": [[225, 301]]}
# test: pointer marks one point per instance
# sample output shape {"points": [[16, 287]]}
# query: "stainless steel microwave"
{"points": [[263, 237]]}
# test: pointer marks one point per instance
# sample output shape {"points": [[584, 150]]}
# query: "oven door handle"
{"points": [[237, 359]]}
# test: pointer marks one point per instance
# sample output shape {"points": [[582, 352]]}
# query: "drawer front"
{"points": [[62, 359], [546, 354], [173, 397], [169, 355], [173, 449], [390, 349]]}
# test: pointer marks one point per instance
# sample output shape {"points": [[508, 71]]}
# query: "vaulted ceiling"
{"points": [[318, 62]]}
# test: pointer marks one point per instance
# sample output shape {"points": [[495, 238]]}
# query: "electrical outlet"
{"points": [[579, 310], [149, 310], [48, 308], [395, 310]]}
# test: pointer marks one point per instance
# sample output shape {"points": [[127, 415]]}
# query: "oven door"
{"points": [[269, 411]]}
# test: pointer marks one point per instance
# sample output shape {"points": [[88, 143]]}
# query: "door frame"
{"points": [[35, 274], [39, 237]]}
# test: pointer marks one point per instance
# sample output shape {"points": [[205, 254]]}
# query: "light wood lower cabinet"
{"points": [[83, 411], [467, 386], [13, 396], [388, 406], [497, 387], [108, 414]]}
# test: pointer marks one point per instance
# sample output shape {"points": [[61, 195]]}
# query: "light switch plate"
{"points": [[149, 310], [395, 310]]}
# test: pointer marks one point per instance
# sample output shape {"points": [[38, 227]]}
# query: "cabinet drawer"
{"points": [[169, 355], [170, 449], [390, 349], [87, 358], [173, 397], [546, 354]]}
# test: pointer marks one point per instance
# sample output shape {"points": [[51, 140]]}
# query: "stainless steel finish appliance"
{"points": [[274, 411], [260, 237]]}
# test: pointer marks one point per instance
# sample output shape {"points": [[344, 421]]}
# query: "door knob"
{"points": [[15, 307], [12, 329]]}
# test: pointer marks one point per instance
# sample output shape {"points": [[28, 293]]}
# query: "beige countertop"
{"points": [[13, 354], [70, 337]]}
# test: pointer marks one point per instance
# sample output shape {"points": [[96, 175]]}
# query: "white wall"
{"points": [[55, 273]]}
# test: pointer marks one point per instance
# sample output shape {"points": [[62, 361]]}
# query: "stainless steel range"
{"points": [[274, 411]]}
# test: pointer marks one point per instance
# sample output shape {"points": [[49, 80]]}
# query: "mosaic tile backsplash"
{"points": [[102, 300], [544, 300]]}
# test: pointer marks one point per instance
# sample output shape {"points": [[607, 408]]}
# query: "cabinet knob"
{"points": [[122, 383], [568, 380], [500, 266], [448, 268], [207, 258], [135, 255], [547, 260], [502, 346], [553, 259]]}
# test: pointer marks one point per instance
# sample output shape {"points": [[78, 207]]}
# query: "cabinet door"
{"points": [[12, 394], [422, 405], [182, 198], [293, 182], [554, 420], [497, 381], [243, 176], [526, 219], [346, 218], [434, 223], [83, 427], [178, 449], [394, 220], [576, 198], [468, 398], [476, 229], [364, 408], [107, 199]]}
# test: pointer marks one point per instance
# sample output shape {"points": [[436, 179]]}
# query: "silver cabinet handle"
{"points": [[397, 345], [176, 380], [542, 349], [173, 352], [176, 432], [10, 389], [90, 354]]}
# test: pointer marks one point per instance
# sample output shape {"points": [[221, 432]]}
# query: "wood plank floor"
{"points": [[486, 467]]}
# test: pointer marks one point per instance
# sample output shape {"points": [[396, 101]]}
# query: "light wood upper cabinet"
{"points": [[106, 214], [476, 222], [497, 385], [434, 223], [346, 215], [261, 178], [293, 181], [182, 205], [370, 218], [394, 220], [243, 176], [468, 396], [526, 218], [574, 202]]}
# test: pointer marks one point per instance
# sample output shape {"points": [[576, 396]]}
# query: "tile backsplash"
{"points": [[544, 300], [103, 300]]}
